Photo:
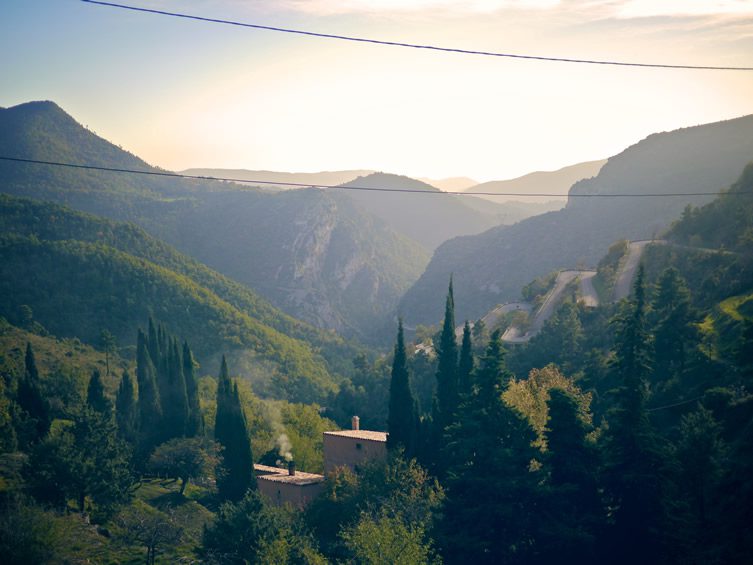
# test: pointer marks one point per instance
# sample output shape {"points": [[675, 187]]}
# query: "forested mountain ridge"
{"points": [[48, 221], [80, 274], [294, 248], [492, 267]]}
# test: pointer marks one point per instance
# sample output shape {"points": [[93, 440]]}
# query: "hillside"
{"points": [[52, 222], [550, 182], [84, 284], [725, 223], [314, 255], [428, 219], [492, 267]]}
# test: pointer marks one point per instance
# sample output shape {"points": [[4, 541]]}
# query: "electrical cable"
{"points": [[414, 45], [352, 187]]}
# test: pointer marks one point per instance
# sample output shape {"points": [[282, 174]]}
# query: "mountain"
{"points": [[492, 267], [430, 218], [81, 274], [548, 182], [261, 178], [311, 253], [451, 184]]}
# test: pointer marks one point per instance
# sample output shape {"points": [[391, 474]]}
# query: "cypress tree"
{"points": [[195, 425], [153, 343], [32, 403], [126, 412], [174, 399], [30, 364], [447, 368], [465, 364], [236, 473], [150, 411], [95, 395], [401, 421]]}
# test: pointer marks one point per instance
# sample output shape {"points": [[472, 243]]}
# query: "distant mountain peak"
{"points": [[392, 181]]}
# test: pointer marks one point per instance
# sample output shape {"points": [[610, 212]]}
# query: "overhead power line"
{"points": [[415, 45], [350, 187]]}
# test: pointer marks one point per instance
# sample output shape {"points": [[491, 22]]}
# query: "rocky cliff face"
{"points": [[312, 253]]}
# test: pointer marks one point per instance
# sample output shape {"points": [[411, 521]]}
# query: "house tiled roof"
{"points": [[366, 435], [299, 478]]}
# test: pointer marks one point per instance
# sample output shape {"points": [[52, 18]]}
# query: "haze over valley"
{"points": [[409, 282]]}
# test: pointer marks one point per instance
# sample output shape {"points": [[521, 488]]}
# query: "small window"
{"points": [[359, 446]]}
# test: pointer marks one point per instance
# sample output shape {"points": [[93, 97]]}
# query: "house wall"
{"points": [[280, 493], [343, 451]]}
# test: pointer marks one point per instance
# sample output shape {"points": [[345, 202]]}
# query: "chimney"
{"points": [[291, 468], [355, 423]]}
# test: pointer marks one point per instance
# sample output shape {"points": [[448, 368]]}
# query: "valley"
{"points": [[257, 323]]}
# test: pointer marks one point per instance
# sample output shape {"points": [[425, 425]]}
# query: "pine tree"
{"points": [[126, 412], [674, 331], [36, 412], [465, 364], [401, 421], [150, 411], [447, 368], [571, 512], [195, 424], [633, 458], [492, 493], [236, 473], [95, 395]]}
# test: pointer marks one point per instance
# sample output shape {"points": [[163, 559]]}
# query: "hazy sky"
{"points": [[188, 94]]}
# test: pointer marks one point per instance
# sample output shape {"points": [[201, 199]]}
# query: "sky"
{"points": [[184, 94]]}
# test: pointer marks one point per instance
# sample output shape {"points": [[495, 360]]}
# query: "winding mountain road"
{"points": [[552, 300], [588, 296]]}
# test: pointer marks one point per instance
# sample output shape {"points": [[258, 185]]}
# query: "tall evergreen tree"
{"points": [[150, 410], [675, 332], [447, 368], [195, 424], [571, 513], [465, 364], [401, 421], [126, 411], [95, 395], [633, 459], [236, 474], [173, 395], [87, 460], [36, 418], [153, 343], [492, 491]]}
